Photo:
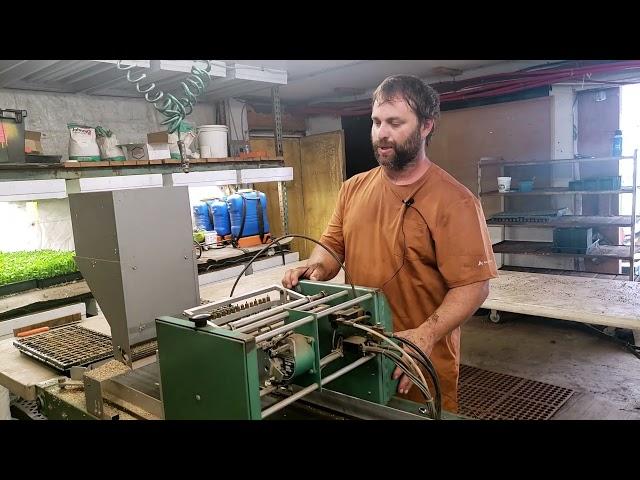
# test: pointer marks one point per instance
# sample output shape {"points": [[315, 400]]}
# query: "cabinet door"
{"points": [[318, 163], [322, 161]]}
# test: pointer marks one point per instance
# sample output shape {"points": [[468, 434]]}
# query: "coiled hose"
{"points": [[175, 109]]}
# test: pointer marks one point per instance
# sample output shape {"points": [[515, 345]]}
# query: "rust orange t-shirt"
{"points": [[447, 245]]}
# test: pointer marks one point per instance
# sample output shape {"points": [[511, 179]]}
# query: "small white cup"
{"points": [[205, 151], [504, 184]]}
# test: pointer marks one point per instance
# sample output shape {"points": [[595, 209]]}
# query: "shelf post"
{"points": [[632, 248], [277, 131]]}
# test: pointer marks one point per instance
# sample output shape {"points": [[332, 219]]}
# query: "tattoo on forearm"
{"points": [[433, 319]]}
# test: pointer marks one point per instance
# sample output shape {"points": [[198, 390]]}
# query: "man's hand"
{"points": [[314, 271], [423, 339]]}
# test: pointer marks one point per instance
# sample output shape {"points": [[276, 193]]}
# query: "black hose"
{"points": [[262, 250], [427, 364], [438, 393], [436, 383], [423, 389]]}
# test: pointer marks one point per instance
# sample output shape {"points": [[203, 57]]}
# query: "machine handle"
{"points": [[201, 319]]}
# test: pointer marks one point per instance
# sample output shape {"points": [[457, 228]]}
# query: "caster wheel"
{"points": [[495, 317]]}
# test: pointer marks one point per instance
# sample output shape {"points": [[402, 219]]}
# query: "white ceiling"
{"points": [[310, 80], [307, 80]]}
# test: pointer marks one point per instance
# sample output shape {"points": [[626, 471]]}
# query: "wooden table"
{"points": [[578, 299]]}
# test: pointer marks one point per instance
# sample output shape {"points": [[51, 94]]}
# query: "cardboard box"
{"points": [[158, 137], [165, 138], [32, 142], [146, 151]]}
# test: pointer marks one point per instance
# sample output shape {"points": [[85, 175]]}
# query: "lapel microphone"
{"points": [[408, 202]]}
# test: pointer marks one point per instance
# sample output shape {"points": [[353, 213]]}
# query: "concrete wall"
{"points": [[47, 223], [323, 124], [129, 118]]}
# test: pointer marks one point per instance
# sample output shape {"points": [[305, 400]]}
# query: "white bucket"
{"points": [[504, 184], [211, 238], [214, 137]]}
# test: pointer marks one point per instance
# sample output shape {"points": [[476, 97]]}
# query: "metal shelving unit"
{"points": [[102, 78], [630, 253], [69, 171]]}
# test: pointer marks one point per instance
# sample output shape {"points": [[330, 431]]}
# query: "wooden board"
{"points": [[556, 191], [291, 147], [571, 221], [227, 252], [578, 299], [546, 249], [72, 164], [56, 322], [70, 290], [20, 373], [323, 172], [571, 273]]}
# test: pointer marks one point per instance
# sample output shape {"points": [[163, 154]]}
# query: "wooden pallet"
{"points": [[165, 161]]}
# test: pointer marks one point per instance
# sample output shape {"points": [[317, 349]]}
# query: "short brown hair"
{"points": [[421, 97]]}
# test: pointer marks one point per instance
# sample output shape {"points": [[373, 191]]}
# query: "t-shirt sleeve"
{"points": [[463, 246], [333, 236]]}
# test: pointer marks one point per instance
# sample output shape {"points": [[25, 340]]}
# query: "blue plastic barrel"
{"points": [[220, 214], [201, 217], [251, 206], [616, 147]]}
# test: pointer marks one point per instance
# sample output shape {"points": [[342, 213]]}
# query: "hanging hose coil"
{"points": [[175, 109]]}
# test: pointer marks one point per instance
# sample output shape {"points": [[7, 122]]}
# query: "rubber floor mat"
{"points": [[487, 395]]}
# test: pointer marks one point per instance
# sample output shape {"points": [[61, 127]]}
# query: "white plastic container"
{"points": [[504, 184], [214, 137], [210, 238]]}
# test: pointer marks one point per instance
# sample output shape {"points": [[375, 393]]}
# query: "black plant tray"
{"points": [[23, 286]]}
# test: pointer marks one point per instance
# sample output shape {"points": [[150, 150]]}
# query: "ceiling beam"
{"points": [[23, 69], [100, 81]]}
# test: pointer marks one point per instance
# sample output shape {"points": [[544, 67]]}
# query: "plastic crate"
{"points": [[591, 184], [576, 185], [572, 240], [609, 183]]}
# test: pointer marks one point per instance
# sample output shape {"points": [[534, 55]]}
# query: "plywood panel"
{"points": [[597, 122], [291, 148], [513, 131], [323, 171]]}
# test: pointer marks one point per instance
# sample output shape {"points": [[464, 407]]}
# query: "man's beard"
{"points": [[402, 155]]}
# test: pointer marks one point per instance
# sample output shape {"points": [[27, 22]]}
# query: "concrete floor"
{"points": [[605, 376]]}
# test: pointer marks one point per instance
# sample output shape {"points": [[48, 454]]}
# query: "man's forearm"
{"points": [[326, 260], [457, 307]]}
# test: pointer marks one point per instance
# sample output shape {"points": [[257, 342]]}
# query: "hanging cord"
{"points": [[277, 240], [635, 350]]}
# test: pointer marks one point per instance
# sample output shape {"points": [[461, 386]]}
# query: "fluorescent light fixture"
{"points": [[202, 179], [261, 175], [22, 191]]}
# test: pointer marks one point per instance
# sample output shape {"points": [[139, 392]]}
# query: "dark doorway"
{"points": [[357, 144]]}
